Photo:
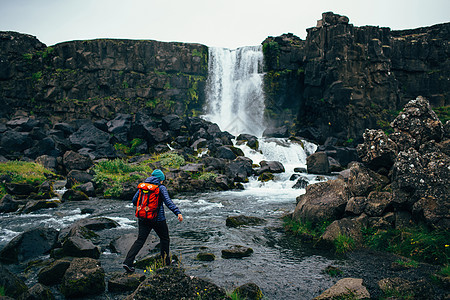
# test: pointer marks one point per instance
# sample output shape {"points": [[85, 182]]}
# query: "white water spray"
{"points": [[234, 90]]}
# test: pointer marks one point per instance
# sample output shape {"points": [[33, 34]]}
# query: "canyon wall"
{"points": [[100, 78], [343, 79]]}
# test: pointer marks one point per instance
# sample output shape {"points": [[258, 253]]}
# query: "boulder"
{"points": [[172, 122], [237, 221], [7, 204], [420, 121], [39, 204], [39, 291], [84, 277], [21, 189], [270, 166], [77, 246], [87, 188], [378, 151], [13, 286], [96, 224], [301, 183], [266, 176], [377, 203], [122, 244], [193, 167], [89, 136], [12, 141], [173, 283], [29, 244], [350, 227], [76, 177], [49, 162], [74, 195], [361, 180], [352, 288], [74, 161], [322, 201], [317, 163], [206, 256], [237, 251], [53, 273], [225, 153], [222, 182], [252, 141], [249, 291], [418, 289], [277, 132], [239, 169], [356, 205], [124, 282]]}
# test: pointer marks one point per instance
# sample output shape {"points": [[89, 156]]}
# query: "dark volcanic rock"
{"points": [[237, 221], [249, 291], [13, 286], [172, 283], [318, 163], [29, 244], [237, 251], [7, 204], [120, 282], [74, 195], [53, 273], [83, 277], [75, 161]]}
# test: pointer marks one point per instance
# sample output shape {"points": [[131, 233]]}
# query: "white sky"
{"points": [[219, 23]]}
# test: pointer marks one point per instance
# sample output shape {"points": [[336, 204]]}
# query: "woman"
{"points": [[159, 225]]}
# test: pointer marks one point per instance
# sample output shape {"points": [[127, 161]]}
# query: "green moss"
{"points": [[443, 113], [37, 76], [271, 52], [27, 56], [22, 172]]}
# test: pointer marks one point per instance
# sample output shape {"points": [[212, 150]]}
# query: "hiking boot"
{"points": [[128, 268]]}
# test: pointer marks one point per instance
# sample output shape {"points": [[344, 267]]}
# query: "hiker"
{"points": [[150, 217]]}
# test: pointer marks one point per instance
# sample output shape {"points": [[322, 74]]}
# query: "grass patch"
{"points": [[443, 113], [22, 172], [407, 263], [306, 230], [418, 243], [344, 243]]}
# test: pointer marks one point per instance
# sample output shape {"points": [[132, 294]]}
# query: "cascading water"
{"points": [[234, 90]]}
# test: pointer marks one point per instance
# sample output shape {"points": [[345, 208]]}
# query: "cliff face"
{"points": [[99, 78], [343, 79]]}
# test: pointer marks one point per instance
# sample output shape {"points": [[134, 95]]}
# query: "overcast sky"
{"points": [[219, 23]]}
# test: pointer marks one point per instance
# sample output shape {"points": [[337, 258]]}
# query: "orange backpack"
{"points": [[148, 201]]}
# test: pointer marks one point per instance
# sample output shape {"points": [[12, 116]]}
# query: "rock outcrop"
{"points": [[400, 180], [343, 79]]}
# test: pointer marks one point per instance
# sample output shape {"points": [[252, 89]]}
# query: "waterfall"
{"points": [[235, 99]]}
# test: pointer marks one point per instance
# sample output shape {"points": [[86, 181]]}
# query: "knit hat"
{"points": [[159, 174]]}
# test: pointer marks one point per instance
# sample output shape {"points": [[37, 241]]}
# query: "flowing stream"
{"points": [[281, 265]]}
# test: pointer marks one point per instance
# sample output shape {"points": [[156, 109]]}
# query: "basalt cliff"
{"points": [[339, 81]]}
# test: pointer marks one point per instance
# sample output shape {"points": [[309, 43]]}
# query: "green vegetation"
{"points": [[2, 291], [28, 56], [418, 243], [306, 230], [344, 243], [443, 113], [271, 52], [37, 76], [407, 263], [22, 172]]}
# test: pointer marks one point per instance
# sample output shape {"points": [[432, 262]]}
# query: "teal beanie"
{"points": [[159, 174]]}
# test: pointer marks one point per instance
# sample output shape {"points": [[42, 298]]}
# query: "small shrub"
{"points": [[344, 243], [306, 229]]}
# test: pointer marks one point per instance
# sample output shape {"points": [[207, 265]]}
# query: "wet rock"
{"points": [[29, 244], [237, 221], [76, 177], [83, 277], [237, 251], [322, 201], [270, 166], [7, 204], [20, 188], [173, 283], [249, 291], [74, 161], [96, 224], [87, 188], [74, 195], [39, 291], [266, 176], [120, 282], [13, 286], [301, 183], [239, 169], [277, 132], [206, 256], [123, 243], [77, 246], [317, 163], [222, 182], [420, 289], [53, 273], [252, 141], [378, 151], [346, 287], [39, 204], [225, 153]]}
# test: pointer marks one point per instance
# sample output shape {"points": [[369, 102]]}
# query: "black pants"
{"points": [[145, 226]]}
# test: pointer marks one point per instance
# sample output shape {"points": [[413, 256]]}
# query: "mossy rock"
{"points": [[205, 256], [266, 176], [237, 251], [237, 221]]}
